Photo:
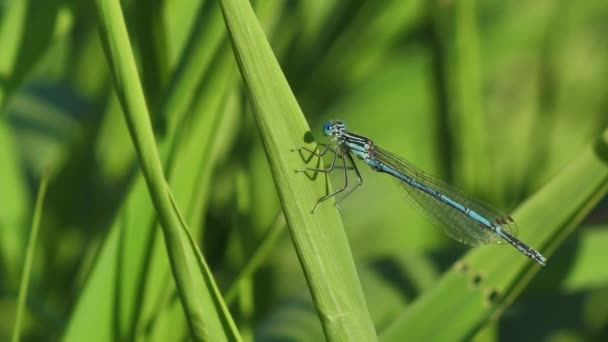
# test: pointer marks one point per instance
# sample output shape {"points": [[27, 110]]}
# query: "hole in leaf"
{"points": [[492, 296], [477, 279]]}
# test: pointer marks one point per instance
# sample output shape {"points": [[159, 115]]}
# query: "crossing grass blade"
{"points": [[29, 257], [189, 151], [195, 285], [14, 205]]}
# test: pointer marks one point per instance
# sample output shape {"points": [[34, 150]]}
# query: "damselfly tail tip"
{"points": [[539, 258]]}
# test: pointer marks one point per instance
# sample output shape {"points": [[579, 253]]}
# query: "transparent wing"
{"points": [[450, 220]]}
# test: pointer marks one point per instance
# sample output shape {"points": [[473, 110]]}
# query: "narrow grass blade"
{"points": [[360, 49], [122, 271], [29, 257], [319, 239], [255, 260], [152, 41], [194, 288], [12, 29], [16, 27], [467, 120], [14, 205], [193, 162], [203, 42], [489, 278]]}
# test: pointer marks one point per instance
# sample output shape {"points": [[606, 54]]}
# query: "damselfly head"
{"points": [[333, 127]]}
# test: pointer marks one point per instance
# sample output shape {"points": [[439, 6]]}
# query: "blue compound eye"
{"points": [[328, 128]]}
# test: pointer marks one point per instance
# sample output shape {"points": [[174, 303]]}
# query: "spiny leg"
{"points": [[324, 198]]}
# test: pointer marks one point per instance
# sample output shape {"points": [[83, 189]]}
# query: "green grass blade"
{"points": [[319, 239], [14, 205], [359, 49], [467, 86], [193, 163], [152, 41], [457, 27], [203, 42], [206, 272], [254, 261], [29, 257], [11, 31], [185, 149], [23, 43], [193, 287], [489, 278]]}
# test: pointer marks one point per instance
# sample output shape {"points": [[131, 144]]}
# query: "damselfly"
{"points": [[464, 219]]}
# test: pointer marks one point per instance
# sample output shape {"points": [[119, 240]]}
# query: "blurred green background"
{"points": [[495, 97]]}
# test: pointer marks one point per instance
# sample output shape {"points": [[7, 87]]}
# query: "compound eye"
{"points": [[328, 128]]}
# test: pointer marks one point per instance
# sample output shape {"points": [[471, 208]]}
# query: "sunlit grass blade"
{"points": [[194, 287], [185, 149], [488, 279], [141, 295], [29, 257], [319, 239]]}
